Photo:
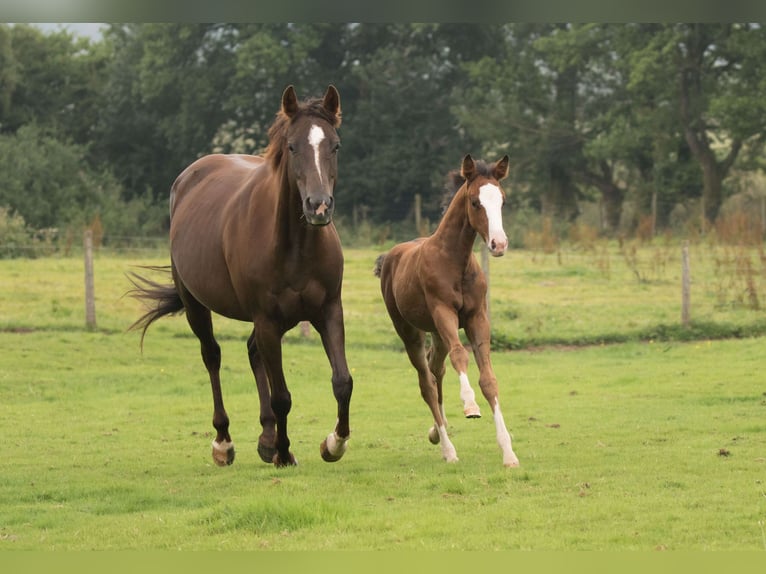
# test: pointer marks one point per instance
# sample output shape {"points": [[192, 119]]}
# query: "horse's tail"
{"points": [[160, 299], [379, 264]]}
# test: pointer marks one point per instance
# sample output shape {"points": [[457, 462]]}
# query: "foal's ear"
{"points": [[501, 168], [289, 101], [332, 103], [468, 168]]}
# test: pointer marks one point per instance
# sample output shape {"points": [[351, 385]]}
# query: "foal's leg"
{"points": [[478, 332], [201, 324], [268, 340], [437, 354], [332, 332], [446, 322], [267, 440], [414, 343]]}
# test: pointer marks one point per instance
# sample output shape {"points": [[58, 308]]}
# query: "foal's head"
{"points": [[304, 137], [485, 200]]}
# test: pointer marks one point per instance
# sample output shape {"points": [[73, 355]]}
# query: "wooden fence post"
{"points": [[418, 214], [685, 285], [485, 268], [90, 298]]}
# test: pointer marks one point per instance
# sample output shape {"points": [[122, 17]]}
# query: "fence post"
{"points": [[418, 214], [685, 285], [485, 268], [90, 298]]}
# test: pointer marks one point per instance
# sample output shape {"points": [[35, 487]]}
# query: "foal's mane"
{"points": [[278, 130], [455, 181]]}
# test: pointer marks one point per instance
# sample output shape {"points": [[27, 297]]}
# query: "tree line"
{"points": [[658, 115]]}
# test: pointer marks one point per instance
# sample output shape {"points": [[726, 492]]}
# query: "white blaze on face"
{"points": [[491, 199], [316, 135]]}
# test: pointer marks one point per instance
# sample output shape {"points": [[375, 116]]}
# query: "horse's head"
{"points": [[312, 151], [485, 201]]}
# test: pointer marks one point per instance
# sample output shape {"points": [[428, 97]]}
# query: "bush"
{"points": [[16, 239]]}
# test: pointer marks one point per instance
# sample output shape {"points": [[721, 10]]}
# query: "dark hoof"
{"points": [[266, 453], [280, 461]]}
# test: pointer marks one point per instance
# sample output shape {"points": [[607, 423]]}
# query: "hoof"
{"points": [[266, 453], [279, 462], [339, 446], [511, 462], [433, 435], [472, 412], [223, 453]]}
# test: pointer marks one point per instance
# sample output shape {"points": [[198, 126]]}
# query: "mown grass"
{"points": [[635, 446]]}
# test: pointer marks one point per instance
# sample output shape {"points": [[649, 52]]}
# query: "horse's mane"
{"points": [[455, 181], [278, 130]]}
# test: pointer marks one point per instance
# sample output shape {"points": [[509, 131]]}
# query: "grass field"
{"points": [[653, 443]]}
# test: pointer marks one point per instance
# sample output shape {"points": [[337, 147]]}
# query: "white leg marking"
{"points": [[336, 445], [470, 408], [222, 446], [491, 198], [444, 417], [316, 135], [448, 450], [504, 438]]}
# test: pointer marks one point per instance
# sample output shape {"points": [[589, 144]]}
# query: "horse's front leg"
{"points": [[332, 331], [447, 325], [268, 340], [268, 438], [478, 333]]}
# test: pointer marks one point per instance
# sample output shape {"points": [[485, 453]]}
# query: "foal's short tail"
{"points": [[160, 299], [379, 264]]}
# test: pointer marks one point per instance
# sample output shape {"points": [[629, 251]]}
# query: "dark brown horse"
{"points": [[252, 238], [435, 285]]}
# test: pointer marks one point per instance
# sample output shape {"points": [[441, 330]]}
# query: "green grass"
{"points": [[634, 446]]}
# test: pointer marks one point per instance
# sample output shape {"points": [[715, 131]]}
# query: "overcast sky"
{"points": [[89, 29]]}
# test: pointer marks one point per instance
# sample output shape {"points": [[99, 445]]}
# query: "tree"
{"points": [[523, 100], [402, 138], [47, 181], [163, 101], [52, 80], [714, 75]]}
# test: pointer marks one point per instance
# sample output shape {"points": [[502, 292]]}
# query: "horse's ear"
{"points": [[332, 103], [289, 101], [468, 168], [501, 168]]}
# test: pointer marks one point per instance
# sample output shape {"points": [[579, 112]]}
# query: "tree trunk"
{"points": [[559, 197], [695, 129]]}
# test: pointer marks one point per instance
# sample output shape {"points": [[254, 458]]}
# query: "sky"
{"points": [[88, 29]]}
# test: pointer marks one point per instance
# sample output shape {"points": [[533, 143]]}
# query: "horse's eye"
{"points": [[291, 147], [475, 203], [336, 147]]}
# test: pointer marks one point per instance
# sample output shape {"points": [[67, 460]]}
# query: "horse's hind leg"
{"points": [[267, 440], [437, 353], [268, 339], [414, 343], [201, 324]]}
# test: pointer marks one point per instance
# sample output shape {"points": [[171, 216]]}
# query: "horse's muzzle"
{"points": [[319, 211], [497, 247]]}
